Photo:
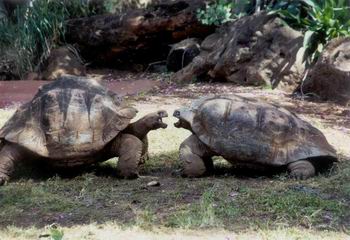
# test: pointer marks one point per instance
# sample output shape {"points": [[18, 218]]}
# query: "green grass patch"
{"points": [[26, 198], [277, 205], [27, 39], [95, 201]]}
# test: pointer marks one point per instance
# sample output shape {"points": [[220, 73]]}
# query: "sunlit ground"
{"points": [[96, 205]]}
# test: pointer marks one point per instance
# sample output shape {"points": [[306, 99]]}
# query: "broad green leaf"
{"points": [[320, 47], [312, 4], [307, 38]]}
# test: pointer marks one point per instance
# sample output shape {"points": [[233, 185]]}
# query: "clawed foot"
{"points": [[3, 180], [132, 176], [127, 175], [301, 174], [301, 170], [143, 159]]}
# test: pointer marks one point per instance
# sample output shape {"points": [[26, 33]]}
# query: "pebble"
{"points": [[153, 184]]}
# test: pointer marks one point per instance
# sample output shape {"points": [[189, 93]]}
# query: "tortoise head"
{"points": [[128, 112], [185, 116], [154, 120]]}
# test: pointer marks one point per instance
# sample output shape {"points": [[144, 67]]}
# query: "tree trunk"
{"points": [[138, 36]]}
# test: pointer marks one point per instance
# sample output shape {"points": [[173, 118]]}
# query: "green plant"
{"points": [[201, 214], [28, 39], [145, 219], [56, 233], [216, 13], [320, 20]]}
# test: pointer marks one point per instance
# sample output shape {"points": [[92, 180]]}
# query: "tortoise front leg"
{"points": [[144, 155], [196, 157], [301, 169], [129, 149], [9, 155]]}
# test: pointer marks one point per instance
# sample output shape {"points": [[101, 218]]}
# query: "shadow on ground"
{"points": [[231, 199]]}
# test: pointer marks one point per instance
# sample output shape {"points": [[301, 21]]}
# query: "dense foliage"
{"points": [[217, 13], [320, 20], [28, 35], [27, 38]]}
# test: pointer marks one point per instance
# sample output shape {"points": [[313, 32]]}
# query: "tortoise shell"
{"points": [[70, 117], [240, 129]]}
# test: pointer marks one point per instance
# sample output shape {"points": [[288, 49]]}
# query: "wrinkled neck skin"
{"points": [[138, 129], [187, 126], [186, 119]]}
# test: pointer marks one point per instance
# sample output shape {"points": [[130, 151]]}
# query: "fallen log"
{"points": [[256, 50], [137, 36]]}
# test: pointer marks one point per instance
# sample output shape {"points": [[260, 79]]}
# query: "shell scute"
{"points": [[250, 131], [71, 117]]}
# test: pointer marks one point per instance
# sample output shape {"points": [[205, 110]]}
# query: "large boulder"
{"points": [[7, 69], [182, 53], [62, 61], [330, 77], [254, 50]]}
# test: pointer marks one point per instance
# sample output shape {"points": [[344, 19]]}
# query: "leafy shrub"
{"points": [[321, 21], [56, 233], [216, 13], [36, 29]]}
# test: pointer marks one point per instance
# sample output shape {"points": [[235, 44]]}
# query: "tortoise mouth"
{"points": [[160, 120], [177, 115], [162, 125], [178, 124]]}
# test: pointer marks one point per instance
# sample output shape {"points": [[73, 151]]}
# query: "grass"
{"points": [[96, 205], [27, 40]]}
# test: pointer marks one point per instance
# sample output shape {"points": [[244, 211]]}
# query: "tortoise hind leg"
{"points": [[9, 155], [196, 157], [302, 169]]}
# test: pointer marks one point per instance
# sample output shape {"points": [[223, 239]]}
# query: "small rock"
{"points": [[234, 194], [153, 184]]}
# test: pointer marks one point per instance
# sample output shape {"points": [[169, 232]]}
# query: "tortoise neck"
{"points": [[138, 129]]}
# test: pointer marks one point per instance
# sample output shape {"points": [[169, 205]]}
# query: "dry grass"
{"points": [[114, 231]]}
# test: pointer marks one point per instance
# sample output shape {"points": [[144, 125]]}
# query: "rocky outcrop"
{"points": [[330, 77], [182, 53], [63, 60], [254, 50], [7, 69]]}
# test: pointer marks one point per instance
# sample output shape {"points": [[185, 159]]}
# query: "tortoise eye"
{"points": [[176, 113]]}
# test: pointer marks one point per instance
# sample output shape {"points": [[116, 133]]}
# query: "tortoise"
{"points": [[76, 121], [251, 133]]}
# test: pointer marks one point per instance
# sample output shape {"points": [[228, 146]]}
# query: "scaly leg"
{"points": [[196, 157], [9, 155], [129, 149], [301, 169], [144, 155]]}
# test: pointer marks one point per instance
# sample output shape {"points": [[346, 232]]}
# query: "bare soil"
{"points": [[124, 83]]}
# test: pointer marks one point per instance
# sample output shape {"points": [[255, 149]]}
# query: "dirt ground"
{"points": [[228, 201], [124, 83]]}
